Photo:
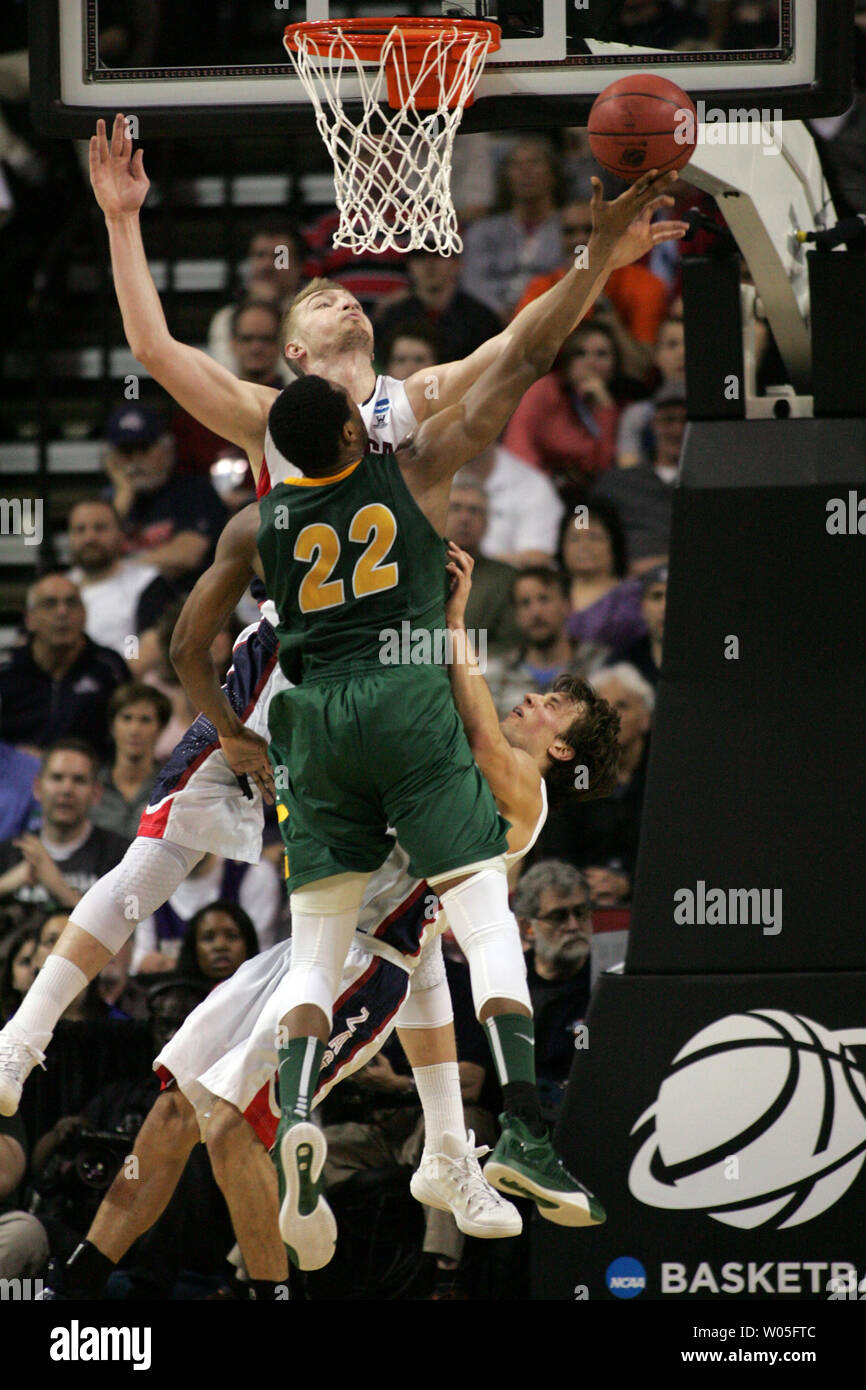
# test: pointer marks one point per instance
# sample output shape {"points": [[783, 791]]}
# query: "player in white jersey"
{"points": [[326, 331], [224, 1057]]}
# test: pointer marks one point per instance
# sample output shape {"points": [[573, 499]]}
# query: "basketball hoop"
{"points": [[392, 173]]}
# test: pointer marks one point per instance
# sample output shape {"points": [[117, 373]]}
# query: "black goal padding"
{"points": [[754, 822]]}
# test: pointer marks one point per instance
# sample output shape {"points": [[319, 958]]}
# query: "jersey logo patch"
{"points": [[381, 409]]}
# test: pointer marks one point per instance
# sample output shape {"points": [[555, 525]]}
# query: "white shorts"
{"points": [[197, 801], [227, 1047]]}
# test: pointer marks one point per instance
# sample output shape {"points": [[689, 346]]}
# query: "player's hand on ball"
{"points": [[116, 174], [627, 221], [247, 756], [460, 566]]}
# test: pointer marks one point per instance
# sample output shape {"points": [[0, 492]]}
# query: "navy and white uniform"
{"points": [[227, 1047]]}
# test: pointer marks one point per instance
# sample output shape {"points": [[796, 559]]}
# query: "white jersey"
{"points": [[388, 418]]}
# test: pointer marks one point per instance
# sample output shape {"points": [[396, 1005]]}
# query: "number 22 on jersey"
{"points": [[373, 526]]}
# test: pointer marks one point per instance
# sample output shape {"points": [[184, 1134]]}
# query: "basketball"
{"points": [[640, 123]]}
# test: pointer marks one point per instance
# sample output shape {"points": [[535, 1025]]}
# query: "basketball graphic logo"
{"points": [[633, 156], [760, 1121]]}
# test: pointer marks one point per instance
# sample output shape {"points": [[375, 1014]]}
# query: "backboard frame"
{"points": [[827, 92]]}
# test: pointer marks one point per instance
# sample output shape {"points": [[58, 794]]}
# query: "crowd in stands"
{"points": [[568, 520]]}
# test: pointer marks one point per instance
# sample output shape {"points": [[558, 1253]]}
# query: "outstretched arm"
{"points": [[623, 231], [512, 775], [206, 611], [234, 409]]}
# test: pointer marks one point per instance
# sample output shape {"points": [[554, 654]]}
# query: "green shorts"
{"points": [[357, 753]]}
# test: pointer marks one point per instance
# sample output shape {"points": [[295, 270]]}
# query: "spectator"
{"points": [[605, 607], [643, 496], [18, 808], [461, 323], [138, 713], [523, 509], [540, 598], [60, 683], [503, 253], [635, 425], [273, 272], [409, 347], [552, 907], [601, 837], [123, 995], [56, 867], [18, 970], [48, 934], [634, 302], [254, 888], [489, 607], [160, 673], [172, 520], [23, 1242], [219, 938], [566, 423], [257, 349], [645, 653], [121, 597]]}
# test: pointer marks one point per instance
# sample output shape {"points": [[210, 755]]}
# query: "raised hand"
{"points": [[627, 221], [460, 566], [116, 174]]}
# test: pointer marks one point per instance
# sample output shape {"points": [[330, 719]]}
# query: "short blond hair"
{"points": [[289, 325]]}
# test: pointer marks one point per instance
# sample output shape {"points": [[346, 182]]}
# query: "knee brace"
{"points": [[145, 878], [487, 933], [324, 917], [429, 1001]]}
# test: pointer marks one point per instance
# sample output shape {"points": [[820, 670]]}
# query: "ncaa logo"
{"points": [[625, 1277], [380, 410], [774, 1096]]}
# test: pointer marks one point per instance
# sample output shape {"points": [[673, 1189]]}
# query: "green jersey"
{"points": [[349, 562]]}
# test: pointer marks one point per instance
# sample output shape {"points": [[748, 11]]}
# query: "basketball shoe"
{"points": [[524, 1166], [307, 1224], [452, 1180], [17, 1060]]}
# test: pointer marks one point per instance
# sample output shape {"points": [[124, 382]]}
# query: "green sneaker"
{"points": [[307, 1224], [523, 1166]]}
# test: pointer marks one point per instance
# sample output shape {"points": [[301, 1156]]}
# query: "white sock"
{"points": [[439, 1093], [57, 984]]}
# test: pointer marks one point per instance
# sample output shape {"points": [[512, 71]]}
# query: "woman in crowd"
{"points": [[138, 713], [566, 424], [219, 938], [17, 972], [605, 605]]}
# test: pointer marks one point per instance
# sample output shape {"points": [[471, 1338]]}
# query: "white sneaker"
{"points": [[452, 1180], [307, 1224], [17, 1060]]}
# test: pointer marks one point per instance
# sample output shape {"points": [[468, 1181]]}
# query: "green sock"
{"points": [[299, 1064], [512, 1042]]}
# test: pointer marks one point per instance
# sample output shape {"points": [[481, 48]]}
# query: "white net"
{"points": [[392, 166]]}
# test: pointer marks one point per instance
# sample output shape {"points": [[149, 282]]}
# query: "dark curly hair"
{"points": [[306, 421], [594, 736]]}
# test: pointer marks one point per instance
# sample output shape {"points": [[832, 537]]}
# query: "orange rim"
{"points": [[368, 36]]}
